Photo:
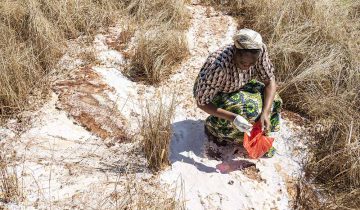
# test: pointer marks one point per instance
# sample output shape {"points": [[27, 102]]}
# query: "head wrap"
{"points": [[247, 39]]}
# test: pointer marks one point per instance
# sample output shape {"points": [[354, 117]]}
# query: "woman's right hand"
{"points": [[238, 121], [242, 124]]}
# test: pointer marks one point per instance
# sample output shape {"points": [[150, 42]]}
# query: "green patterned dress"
{"points": [[246, 102]]}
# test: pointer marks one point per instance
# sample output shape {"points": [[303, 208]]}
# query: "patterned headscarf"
{"points": [[247, 39]]}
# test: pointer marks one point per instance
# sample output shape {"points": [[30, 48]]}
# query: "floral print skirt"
{"points": [[247, 102]]}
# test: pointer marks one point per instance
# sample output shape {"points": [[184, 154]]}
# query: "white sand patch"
{"points": [[124, 89], [106, 55], [6, 133], [203, 180], [100, 43], [111, 56], [58, 159]]}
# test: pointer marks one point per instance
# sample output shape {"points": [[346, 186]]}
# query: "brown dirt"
{"points": [[253, 173], [83, 96]]}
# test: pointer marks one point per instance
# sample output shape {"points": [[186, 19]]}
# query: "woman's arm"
{"points": [[265, 69], [269, 95], [218, 112]]}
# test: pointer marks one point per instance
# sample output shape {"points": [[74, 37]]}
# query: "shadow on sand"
{"points": [[189, 145]]}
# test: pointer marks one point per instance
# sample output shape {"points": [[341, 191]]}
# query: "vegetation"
{"points": [[9, 184], [156, 130], [32, 39], [314, 45], [34, 32], [161, 43]]}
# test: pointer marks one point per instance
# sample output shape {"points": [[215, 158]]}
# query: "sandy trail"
{"points": [[64, 164]]}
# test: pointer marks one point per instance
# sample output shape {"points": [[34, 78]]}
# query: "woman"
{"points": [[226, 89]]}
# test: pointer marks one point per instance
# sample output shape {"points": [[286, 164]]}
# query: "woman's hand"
{"points": [[242, 124], [265, 122]]}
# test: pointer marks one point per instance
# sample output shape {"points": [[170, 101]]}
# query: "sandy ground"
{"points": [[76, 151]]}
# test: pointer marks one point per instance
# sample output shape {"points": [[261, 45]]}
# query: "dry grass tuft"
{"points": [[315, 46], [9, 185], [157, 52], [159, 12], [161, 42], [138, 195], [156, 130]]}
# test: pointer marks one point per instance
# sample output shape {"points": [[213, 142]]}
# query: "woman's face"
{"points": [[246, 59]]}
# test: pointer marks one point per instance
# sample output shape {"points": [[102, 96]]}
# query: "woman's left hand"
{"points": [[265, 122], [270, 88]]}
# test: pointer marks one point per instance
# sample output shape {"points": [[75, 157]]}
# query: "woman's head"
{"points": [[248, 45], [247, 57]]}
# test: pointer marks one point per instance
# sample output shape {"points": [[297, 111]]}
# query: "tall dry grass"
{"points": [[9, 182], [138, 195], [157, 52], [156, 130], [32, 39], [315, 46], [161, 42], [159, 12]]}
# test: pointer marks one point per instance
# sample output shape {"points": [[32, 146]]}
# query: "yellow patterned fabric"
{"points": [[247, 102]]}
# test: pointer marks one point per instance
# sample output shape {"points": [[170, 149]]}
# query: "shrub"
{"points": [[161, 42], [157, 52], [156, 130]]}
